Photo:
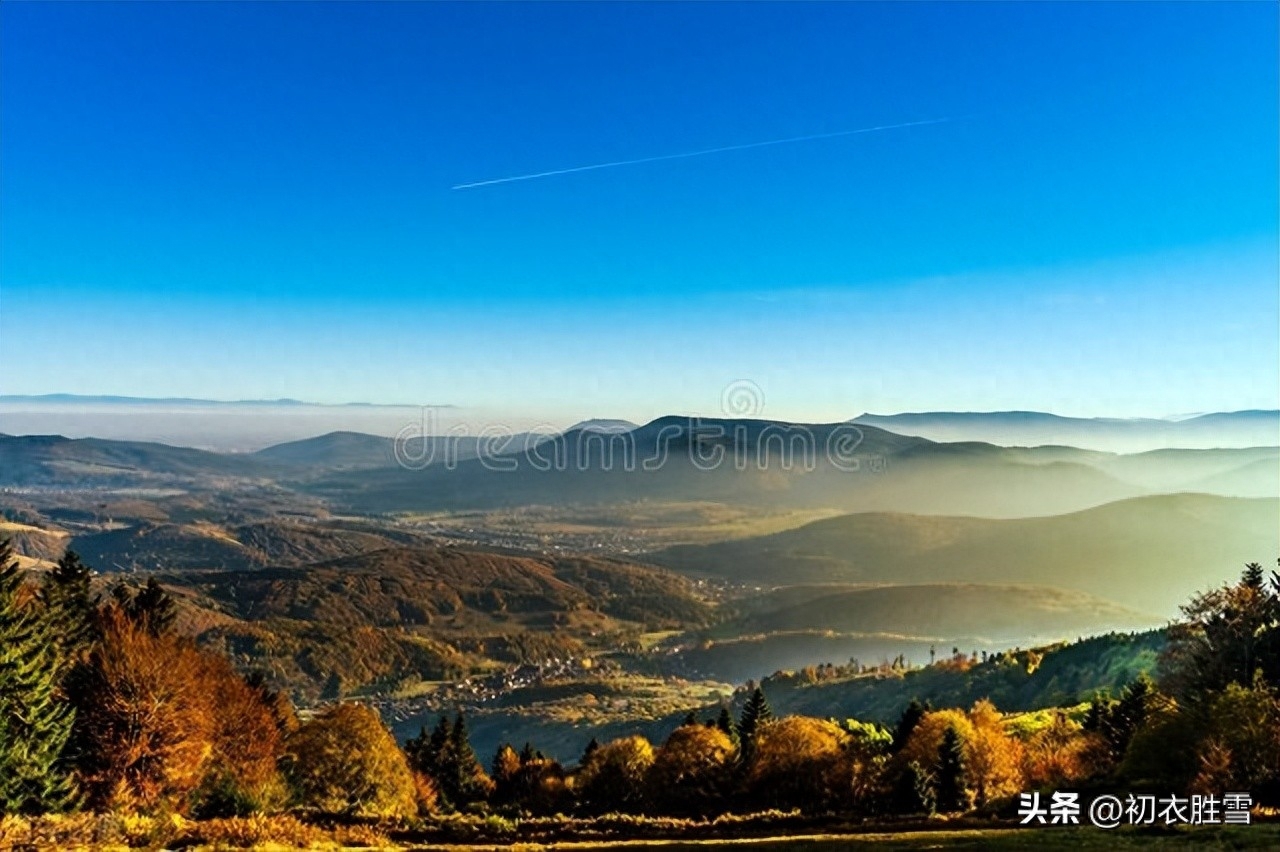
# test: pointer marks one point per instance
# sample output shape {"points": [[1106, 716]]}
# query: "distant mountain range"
{"points": [[841, 466], [1033, 428], [90, 399], [245, 425]]}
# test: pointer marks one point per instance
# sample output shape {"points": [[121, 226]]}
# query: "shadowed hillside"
{"points": [[202, 545], [1148, 553], [944, 610], [1033, 428]]}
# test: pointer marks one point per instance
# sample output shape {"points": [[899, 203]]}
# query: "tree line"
{"points": [[105, 706]]}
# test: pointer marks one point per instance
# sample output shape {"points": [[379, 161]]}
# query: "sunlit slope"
{"points": [[994, 612], [1149, 553]]}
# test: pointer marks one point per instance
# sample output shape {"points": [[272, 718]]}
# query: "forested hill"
{"points": [[1055, 676]]}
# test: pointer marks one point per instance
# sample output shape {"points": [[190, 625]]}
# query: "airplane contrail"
{"points": [[701, 153]]}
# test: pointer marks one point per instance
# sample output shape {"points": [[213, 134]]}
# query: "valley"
{"points": [[518, 591]]}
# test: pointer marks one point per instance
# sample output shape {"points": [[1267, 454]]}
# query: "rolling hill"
{"points": [[1034, 428], [200, 545], [1013, 614], [1150, 553], [55, 461], [426, 612]]}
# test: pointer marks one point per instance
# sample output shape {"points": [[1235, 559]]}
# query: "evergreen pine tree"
{"points": [[1252, 576], [911, 716], [426, 750], [153, 607], [754, 713], [589, 750], [725, 723], [951, 793], [34, 723], [462, 777], [912, 791], [70, 606]]}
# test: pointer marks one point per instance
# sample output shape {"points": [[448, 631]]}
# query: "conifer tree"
{"points": [[951, 793], [463, 777], [907, 722], [153, 606], [149, 606], [71, 607], [912, 793], [34, 723], [725, 723], [754, 713]]}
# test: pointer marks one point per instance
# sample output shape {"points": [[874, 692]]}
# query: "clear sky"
{"points": [[255, 201]]}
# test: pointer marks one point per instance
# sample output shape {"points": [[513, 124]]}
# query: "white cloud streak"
{"points": [[687, 154]]}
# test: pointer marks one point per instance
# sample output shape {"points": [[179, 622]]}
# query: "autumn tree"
{"points": [[612, 778], [989, 760], [242, 774], [529, 781], [692, 771], [34, 724], [345, 761], [993, 759], [1060, 754], [796, 763], [144, 728]]}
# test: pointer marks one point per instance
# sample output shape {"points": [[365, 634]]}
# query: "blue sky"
{"points": [[254, 201]]}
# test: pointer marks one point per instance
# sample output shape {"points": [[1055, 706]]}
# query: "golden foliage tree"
{"points": [[612, 778], [993, 759], [692, 770], [345, 761], [796, 763]]}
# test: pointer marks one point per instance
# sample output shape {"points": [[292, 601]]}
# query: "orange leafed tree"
{"points": [[144, 731]]}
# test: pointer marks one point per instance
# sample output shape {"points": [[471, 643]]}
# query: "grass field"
{"points": [[1085, 838]]}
